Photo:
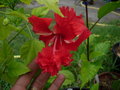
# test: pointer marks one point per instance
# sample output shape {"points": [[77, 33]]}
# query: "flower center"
{"points": [[59, 36]]}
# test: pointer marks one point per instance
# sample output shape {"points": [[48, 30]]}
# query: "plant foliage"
{"points": [[107, 8]]}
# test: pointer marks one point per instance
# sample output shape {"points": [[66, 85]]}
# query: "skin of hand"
{"points": [[39, 83]]}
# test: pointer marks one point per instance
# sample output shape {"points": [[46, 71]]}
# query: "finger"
{"points": [[57, 83], [24, 80], [40, 81]]}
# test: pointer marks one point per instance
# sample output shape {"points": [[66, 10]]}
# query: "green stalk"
{"points": [[29, 31], [33, 79], [94, 24], [86, 9], [16, 35], [87, 24]]}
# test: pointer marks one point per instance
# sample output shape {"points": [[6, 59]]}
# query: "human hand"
{"points": [[39, 83]]}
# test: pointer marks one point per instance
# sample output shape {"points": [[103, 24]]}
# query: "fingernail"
{"points": [[34, 88]]}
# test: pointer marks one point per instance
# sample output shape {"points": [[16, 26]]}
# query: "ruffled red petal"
{"points": [[66, 57], [51, 61], [47, 61], [70, 25], [68, 13], [40, 25], [81, 38]]}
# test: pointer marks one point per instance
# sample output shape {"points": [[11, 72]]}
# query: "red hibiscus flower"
{"points": [[68, 32], [50, 61]]}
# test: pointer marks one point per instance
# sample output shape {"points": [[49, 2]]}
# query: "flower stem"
{"points": [[16, 35], [29, 31], [88, 44], [86, 9], [94, 24], [33, 79]]}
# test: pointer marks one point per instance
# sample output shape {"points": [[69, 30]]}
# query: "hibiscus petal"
{"points": [[69, 26], [40, 25], [47, 39], [63, 25], [50, 61], [65, 31], [66, 57], [47, 61], [81, 38], [68, 13]]}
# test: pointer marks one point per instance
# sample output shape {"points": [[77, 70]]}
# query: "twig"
{"points": [[86, 9], [29, 31], [94, 24], [16, 35]]}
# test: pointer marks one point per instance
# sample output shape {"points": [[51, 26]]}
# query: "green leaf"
{"points": [[16, 68], [18, 14], [95, 54], [102, 47], [5, 51], [26, 1], [9, 3], [5, 30], [18, 29], [13, 70], [40, 11], [83, 57], [16, 20], [1, 6], [51, 4], [6, 55], [93, 38], [69, 77], [8, 79], [30, 50], [51, 79], [5, 21], [95, 87], [89, 70], [107, 8]]}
